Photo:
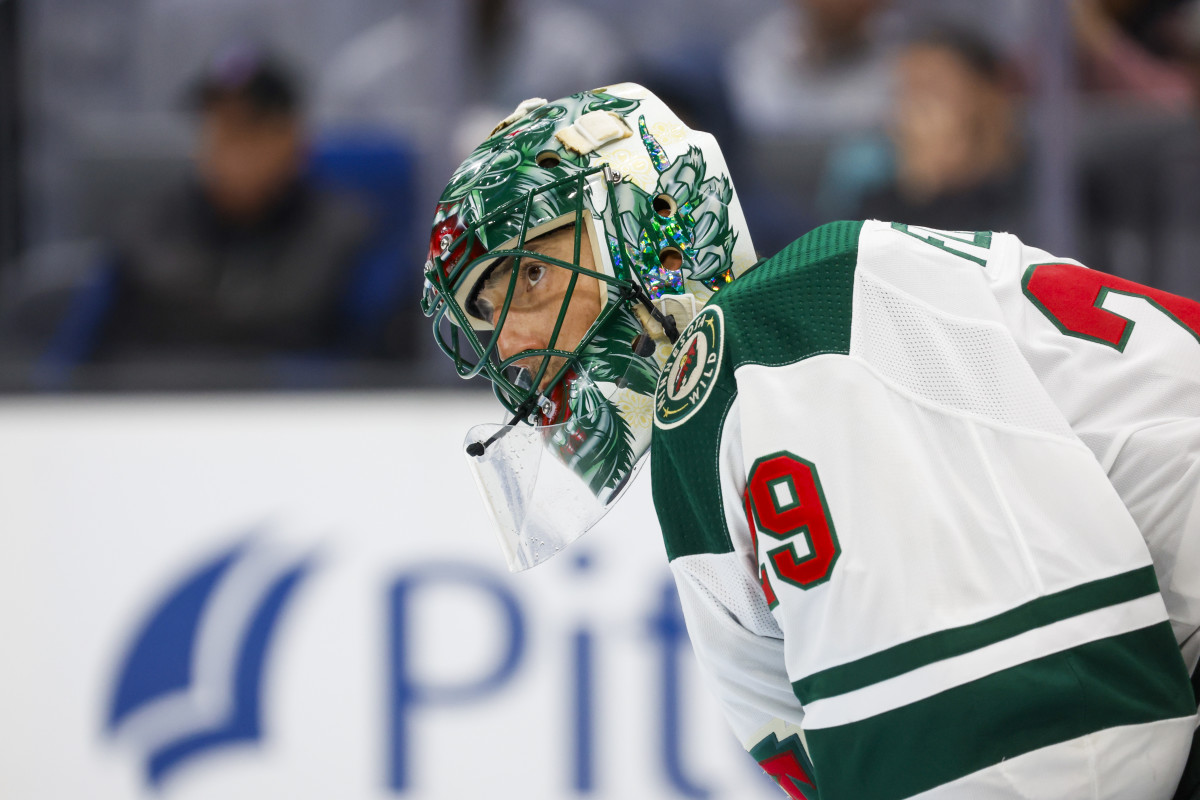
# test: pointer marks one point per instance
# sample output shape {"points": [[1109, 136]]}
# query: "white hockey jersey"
{"points": [[920, 491]]}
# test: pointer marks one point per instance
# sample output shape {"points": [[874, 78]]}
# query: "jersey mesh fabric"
{"points": [[953, 363], [727, 583], [742, 664]]}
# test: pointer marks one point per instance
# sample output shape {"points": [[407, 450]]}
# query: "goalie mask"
{"points": [[645, 227]]}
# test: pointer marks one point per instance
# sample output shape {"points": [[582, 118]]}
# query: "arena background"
{"points": [[249, 572]]}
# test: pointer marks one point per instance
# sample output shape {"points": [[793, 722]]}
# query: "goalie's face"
{"points": [[550, 307]]}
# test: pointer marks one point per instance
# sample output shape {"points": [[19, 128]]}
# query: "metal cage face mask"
{"points": [[635, 183], [471, 336]]}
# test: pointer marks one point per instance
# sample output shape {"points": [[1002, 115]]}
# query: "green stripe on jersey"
{"points": [[1130, 679], [953, 642]]}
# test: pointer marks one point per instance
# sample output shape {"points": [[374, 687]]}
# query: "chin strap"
{"points": [[593, 131]]}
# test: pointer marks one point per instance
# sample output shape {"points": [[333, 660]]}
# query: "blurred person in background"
{"points": [[801, 81], [1138, 145], [1135, 49], [815, 67], [277, 261], [958, 158], [247, 257], [515, 55]]}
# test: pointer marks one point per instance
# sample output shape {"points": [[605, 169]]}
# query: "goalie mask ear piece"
{"points": [[661, 319], [679, 307]]}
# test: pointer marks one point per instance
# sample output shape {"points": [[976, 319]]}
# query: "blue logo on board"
{"points": [[191, 679]]}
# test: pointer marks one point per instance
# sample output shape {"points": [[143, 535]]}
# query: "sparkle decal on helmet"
{"points": [[691, 370], [658, 156], [691, 219]]}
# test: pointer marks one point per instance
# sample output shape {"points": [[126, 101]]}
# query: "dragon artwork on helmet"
{"points": [[637, 183]]}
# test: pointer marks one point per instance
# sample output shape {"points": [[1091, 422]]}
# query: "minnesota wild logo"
{"points": [[691, 370], [684, 370]]}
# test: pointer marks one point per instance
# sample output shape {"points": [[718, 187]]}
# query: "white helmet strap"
{"points": [[592, 131]]}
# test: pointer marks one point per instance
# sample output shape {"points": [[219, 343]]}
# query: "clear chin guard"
{"points": [[540, 483]]}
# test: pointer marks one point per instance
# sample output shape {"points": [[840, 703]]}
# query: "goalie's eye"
{"points": [[534, 272], [489, 297]]}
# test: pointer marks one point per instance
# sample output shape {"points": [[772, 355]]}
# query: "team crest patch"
{"points": [[691, 369]]}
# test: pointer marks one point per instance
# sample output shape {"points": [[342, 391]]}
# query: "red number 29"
{"points": [[1071, 297], [786, 502]]}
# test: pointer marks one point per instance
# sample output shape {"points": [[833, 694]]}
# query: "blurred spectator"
{"points": [[959, 163], [531, 48], [1008, 25], [1138, 149], [248, 257], [1135, 49], [814, 67], [525, 48]]}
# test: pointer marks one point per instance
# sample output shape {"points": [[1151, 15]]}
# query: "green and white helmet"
{"points": [[619, 164]]}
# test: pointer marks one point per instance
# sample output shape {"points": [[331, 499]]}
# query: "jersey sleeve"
{"points": [[696, 467], [699, 492], [1122, 362]]}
